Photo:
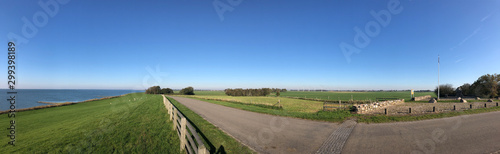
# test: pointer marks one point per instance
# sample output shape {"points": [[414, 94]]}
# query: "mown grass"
{"points": [[135, 123], [289, 104], [332, 116], [345, 96], [384, 118], [218, 141], [333, 95]]}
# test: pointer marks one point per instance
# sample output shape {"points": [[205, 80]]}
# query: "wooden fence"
{"points": [[189, 137]]}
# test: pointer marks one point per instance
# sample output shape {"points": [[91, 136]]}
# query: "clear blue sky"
{"points": [[282, 43]]}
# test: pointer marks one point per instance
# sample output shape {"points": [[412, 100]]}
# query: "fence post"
{"points": [[497, 104], [433, 109], [409, 110], [454, 108], [183, 133], [175, 118], [484, 105], [202, 149], [385, 111], [470, 106], [171, 111]]}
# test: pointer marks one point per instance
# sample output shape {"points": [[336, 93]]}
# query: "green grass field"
{"points": [[289, 104], [345, 96], [135, 123]]}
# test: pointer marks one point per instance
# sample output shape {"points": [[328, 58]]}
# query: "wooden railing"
{"points": [[189, 137]]}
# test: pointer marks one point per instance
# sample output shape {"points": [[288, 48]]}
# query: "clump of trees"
{"points": [[487, 86], [158, 90], [248, 92], [167, 91], [187, 91], [275, 90], [445, 90], [153, 90]]}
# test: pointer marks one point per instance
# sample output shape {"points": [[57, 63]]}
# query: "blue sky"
{"points": [[286, 44]]}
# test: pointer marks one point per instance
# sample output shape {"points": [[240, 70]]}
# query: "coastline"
{"points": [[50, 104]]}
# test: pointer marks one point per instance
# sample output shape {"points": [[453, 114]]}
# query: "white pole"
{"points": [[438, 76]]}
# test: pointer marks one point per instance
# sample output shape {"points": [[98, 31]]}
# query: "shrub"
{"points": [[187, 91], [445, 90], [153, 90]]}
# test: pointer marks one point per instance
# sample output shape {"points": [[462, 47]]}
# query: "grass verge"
{"points": [[218, 141], [332, 116], [135, 123]]}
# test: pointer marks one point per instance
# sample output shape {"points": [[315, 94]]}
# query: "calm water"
{"points": [[27, 98]]}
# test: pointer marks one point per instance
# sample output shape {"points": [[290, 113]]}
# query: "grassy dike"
{"points": [[217, 141], [135, 123]]}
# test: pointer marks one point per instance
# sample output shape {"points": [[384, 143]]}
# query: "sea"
{"points": [[27, 98]]}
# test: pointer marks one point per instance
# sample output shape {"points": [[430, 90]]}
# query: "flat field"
{"points": [[345, 96], [288, 104], [334, 95]]}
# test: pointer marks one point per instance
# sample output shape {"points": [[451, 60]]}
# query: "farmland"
{"points": [[345, 96], [289, 104], [329, 95]]}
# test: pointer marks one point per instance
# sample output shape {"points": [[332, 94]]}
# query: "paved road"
{"points": [[264, 133], [479, 133]]}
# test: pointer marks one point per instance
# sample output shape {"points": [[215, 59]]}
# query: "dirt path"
{"points": [[264, 133]]}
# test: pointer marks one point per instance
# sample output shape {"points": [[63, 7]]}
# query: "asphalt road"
{"points": [[261, 132], [478, 133]]}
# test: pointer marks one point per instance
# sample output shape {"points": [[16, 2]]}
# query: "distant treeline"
{"points": [[274, 90], [252, 92], [158, 90]]}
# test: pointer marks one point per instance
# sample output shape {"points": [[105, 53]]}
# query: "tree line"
{"points": [[253, 92], [275, 90], [487, 86], [158, 90]]}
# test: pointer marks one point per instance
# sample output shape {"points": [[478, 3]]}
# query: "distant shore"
{"points": [[51, 104]]}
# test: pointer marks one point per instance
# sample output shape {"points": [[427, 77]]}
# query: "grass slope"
{"points": [[135, 123]]}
